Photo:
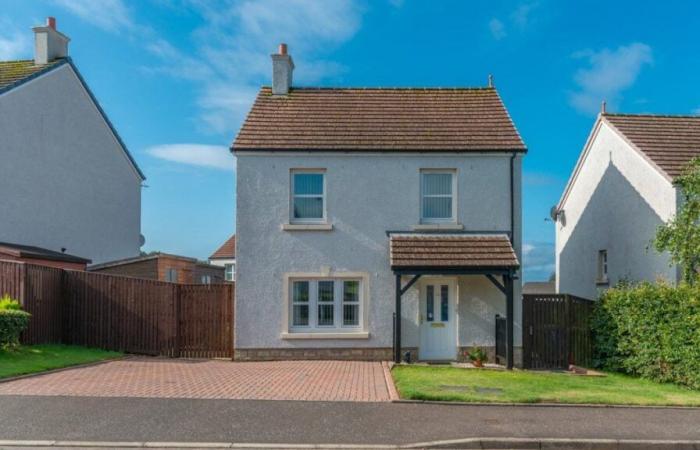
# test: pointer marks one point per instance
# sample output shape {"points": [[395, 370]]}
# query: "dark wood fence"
{"points": [[556, 331], [500, 339], [122, 313]]}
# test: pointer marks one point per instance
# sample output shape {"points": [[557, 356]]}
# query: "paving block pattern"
{"points": [[214, 379]]}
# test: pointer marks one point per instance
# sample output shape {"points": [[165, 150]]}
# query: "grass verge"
{"points": [[518, 386], [38, 358]]}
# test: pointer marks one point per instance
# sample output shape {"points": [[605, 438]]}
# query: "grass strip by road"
{"points": [[518, 386], [28, 359]]}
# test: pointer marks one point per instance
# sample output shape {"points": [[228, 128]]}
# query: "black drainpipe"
{"points": [[512, 198]]}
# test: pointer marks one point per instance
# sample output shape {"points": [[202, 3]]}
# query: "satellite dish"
{"points": [[553, 213], [142, 240]]}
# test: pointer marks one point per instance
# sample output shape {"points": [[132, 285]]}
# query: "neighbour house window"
{"points": [[230, 272], [603, 265], [438, 196], [308, 196], [171, 275], [325, 304], [206, 279]]}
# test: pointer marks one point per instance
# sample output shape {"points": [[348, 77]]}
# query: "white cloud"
{"points": [[696, 111], [498, 30], [538, 261], [14, 43], [521, 15], [234, 46], [210, 156], [110, 15], [608, 74]]}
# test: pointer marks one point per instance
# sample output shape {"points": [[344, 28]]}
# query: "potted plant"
{"points": [[478, 356]]}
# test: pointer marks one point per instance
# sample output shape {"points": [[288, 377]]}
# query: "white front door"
{"points": [[437, 320]]}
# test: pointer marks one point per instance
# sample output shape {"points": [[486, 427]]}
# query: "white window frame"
{"points": [[171, 274], [315, 220], [206, 279], [338, 330], [602, 266], [431, 220], [230, 275]]}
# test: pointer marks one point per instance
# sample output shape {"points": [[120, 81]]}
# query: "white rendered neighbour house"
{"points": [[357, 204], [68, 182], [619, 193], [225, 256]]}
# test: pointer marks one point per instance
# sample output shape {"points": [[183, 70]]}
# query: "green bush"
{"points": [[7, 302], [650, 330]]}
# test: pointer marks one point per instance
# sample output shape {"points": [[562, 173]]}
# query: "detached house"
{"points": [[68, 183], [356, 206], [621, 190]]}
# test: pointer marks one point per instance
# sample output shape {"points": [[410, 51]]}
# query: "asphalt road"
{"points": [[246, 421]]}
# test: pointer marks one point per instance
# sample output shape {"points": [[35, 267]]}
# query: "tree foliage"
{"points": [[680, 236]]}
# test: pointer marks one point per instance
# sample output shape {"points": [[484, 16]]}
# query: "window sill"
{"points": [[438, 226], [353, 335], [307, 227], [602, 282]]}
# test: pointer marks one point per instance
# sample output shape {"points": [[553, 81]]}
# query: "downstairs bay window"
{"points": [[325, 305]]}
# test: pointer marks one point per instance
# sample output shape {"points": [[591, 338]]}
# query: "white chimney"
{"points": [[282, 68], [49, 44]]}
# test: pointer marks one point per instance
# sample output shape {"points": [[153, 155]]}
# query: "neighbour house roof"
{"points": [[227, 250], [15, 73], [31, 252], [380, 119], [539, 287], [669, 142], [135, 259], [452, 251]]}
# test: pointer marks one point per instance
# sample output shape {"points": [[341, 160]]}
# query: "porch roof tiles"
{"points": [[452, 251]]}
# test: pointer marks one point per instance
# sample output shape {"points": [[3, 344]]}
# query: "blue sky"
{"points": [[176, 77]]}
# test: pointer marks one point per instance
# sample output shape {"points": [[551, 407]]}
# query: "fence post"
{"points": [[178, 310]]}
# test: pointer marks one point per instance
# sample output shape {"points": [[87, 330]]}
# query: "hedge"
{"points": [[649, 330], [12, 323]]}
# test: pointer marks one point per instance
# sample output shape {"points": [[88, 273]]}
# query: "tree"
{"points": [[680, 236]]}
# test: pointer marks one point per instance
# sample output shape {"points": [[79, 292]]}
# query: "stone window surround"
{"points": [[361, 333]]}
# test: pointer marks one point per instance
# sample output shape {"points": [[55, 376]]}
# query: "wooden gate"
{"points": [[122, 313], [556, 331]]}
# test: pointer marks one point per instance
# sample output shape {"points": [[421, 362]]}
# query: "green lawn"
{"points": [[483, 385], [37, 358]]}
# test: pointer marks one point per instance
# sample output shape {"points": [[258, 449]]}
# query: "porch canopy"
{"points": [[490, 255]]}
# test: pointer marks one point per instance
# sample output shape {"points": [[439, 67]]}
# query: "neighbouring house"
{"points": [[620, 191], [355, 204], [164, 267], [41, 256], [539, 287], [66, 178], [225, 256]]}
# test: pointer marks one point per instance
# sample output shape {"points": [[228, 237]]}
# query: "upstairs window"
{"points": [[437, 196], [603, 266], [308, 196]]}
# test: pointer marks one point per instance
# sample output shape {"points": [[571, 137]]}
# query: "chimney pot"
{"points": [[282, 68], [51, 22]]}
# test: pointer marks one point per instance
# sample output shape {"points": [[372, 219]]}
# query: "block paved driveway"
{"points": [[215, 379]]}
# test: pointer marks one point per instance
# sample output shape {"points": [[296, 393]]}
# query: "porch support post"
{"points": [[397, 325], [508, 281]]}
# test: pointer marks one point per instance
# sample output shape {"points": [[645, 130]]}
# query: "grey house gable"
{"points": [[9, 82]]}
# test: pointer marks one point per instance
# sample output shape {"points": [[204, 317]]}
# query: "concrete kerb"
{"points": [[470, 443]]}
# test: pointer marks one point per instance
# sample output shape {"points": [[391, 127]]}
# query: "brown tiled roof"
{"points": [[670, 142], [12, 72], [227, 250], [379, 119], [451, 251]]}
